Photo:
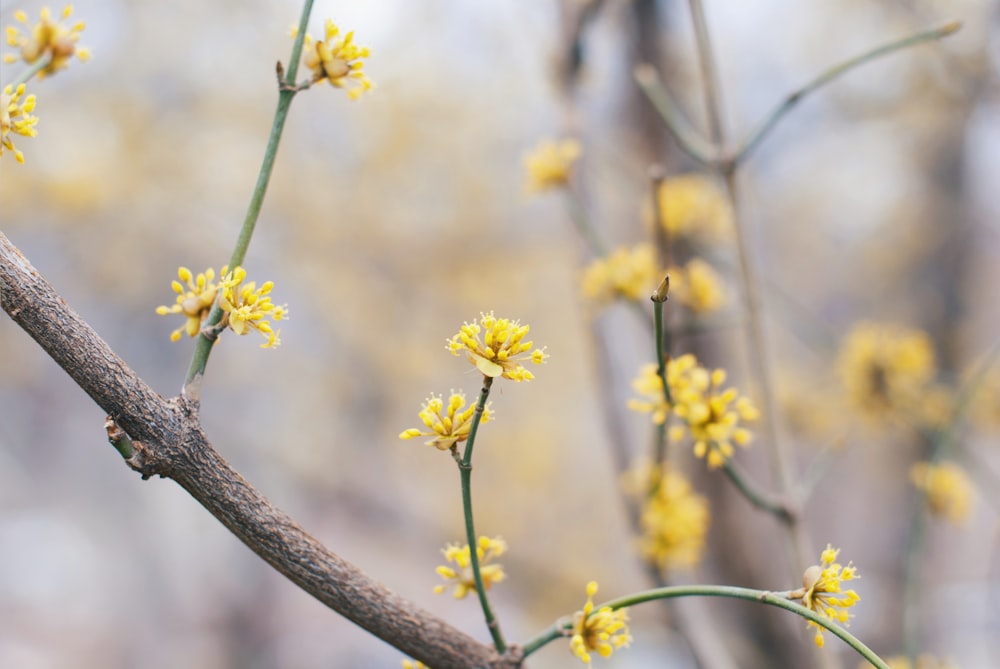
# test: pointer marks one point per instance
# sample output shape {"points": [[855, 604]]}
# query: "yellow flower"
{"points": [[447, 426], [500, 351], [698, 287], [628, 273], [674, 518], [948, 489], [924, 661], [692, 205], [337, 60], [248, 308], [195, 298], [822, 591], [414, 664], [885, 368], [47, 38], [604, 630], [487, 550], [550, 164], [16, 119], [709, 413]]}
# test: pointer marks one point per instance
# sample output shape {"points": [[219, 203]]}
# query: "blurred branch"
{"points": [[168, 441], [709, 152]]}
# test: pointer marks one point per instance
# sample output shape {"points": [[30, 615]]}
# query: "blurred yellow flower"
{"points": [[603, 631], [924, 661], [698, 287], [447, 426], [822, 590], [692, 205], [627, 273], [709, 414], [501, 349], [674, 518], [248, 308], [414, 664], [461, 575], [195, 298], [947, 487], [550, 164], [885, 368], [47, 38], [337, 60], [16, 118]]}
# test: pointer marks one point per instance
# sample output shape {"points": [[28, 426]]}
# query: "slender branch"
{"points": [[756, 496], [778, 599], [286, 92], [825, 77], [465, 470], [688, 138], [168, 441]]}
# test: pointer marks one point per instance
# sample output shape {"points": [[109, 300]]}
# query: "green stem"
{"points": [[689, 139], [755, 495], [33, 69], [286, 93], [465, 470], [662, 335], [778, 599], [826, 77]]}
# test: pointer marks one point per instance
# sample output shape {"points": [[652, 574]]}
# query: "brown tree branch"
{"points": [[168, 441]]}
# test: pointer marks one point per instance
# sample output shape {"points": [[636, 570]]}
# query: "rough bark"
{"points": [[169, 442]]}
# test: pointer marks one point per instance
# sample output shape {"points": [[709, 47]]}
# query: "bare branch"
{"points": [[168, 441]]}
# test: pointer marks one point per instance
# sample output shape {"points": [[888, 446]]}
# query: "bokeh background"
{"points": [[392, 220]]}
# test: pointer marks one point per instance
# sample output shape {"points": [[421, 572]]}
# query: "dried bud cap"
{"points": [[811, 576]]}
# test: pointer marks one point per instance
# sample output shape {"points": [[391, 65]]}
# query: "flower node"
{"points": [[603, 631], [692, 205], [195, 298], [46, 38], [461, 575], [16, 118], [248, 307], [338, 60], [822, 591], [496, 347], [447, 425]]}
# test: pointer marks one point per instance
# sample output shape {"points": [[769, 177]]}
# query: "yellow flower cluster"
{"points": [[461, 575], [885, 368], [500, 350], [603, 631], [337, 60], [249, 308], [627, 273], [822, 590], [447, 426], [674, 518], [245, 307], [698, 287], [195, 298], [47, 38], [692, 205], [710, 414], [550, 164], [947, 487], [16, 118]]}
